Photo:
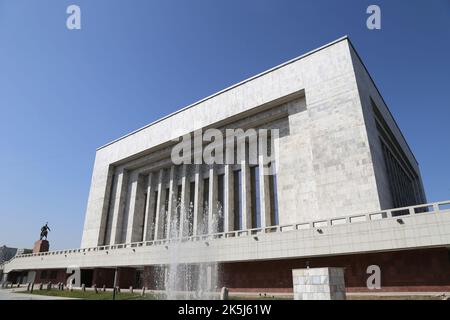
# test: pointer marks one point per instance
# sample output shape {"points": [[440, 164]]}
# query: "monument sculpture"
{"points": [[44, 231], [42, 245]]}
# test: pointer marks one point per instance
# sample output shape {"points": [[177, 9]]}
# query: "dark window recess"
{"points": [[205, 205], [402, 187], [143, 217], [237, 188], [404, 182], [190, 212], [205, 193], [274, 219], [220, 201], [256, 205], [166, 208], [178, 207], [152, 232]]}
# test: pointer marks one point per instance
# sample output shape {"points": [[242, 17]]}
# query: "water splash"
{"points": [[189, 281]]}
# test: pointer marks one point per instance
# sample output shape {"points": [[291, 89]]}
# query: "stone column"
{"points": [[160, 207], [198, 200], [149, 221], [184, 197], [4, 278], [212, 207], [118, 205], [228, 206], [104, 233]]}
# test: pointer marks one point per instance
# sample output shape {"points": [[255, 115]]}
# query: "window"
{"points": [[205, 206], [205, 194], [220, 201], [256, 204], [190, 211], [237, 200], [178, 207], [165, 215], [152, 231], [404, 182], [273, 200], [401, 185], [143, 217]]}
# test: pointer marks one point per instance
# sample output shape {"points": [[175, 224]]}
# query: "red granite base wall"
{"points": [[103, 276], [412, 270], [17, 277], [153, 277], [126, 277], [51, 275]]}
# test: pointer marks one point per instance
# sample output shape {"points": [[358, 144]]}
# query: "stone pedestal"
{"points": [[319, 284], [41, 246]]}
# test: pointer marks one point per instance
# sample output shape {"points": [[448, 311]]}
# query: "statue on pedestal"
{"points": [[44, 231]]}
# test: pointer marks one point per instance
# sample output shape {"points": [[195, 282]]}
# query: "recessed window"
{"points": [[273, 200], [256, 203], [220, 201], [237, 188], [190, 211]]}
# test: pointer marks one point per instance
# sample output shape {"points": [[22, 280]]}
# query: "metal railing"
{"points": [[318, 224]]}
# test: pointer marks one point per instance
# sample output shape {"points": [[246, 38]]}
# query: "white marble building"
{"points": [[347, 192], [340, 153]]}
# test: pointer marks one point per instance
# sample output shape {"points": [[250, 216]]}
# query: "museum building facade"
{"points": [[342, 189]]}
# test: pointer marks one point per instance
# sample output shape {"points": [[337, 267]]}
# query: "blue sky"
{"points": [[64, 93]]}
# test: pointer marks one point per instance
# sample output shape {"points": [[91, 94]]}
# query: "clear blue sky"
{"points": [[64, 93]]}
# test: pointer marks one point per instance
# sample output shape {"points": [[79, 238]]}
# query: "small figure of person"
{"points": [[44, 231]]}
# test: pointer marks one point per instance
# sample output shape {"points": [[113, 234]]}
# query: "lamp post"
{"points": [[115, 284]]}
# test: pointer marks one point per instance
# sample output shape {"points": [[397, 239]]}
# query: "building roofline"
{"points": [[228, 89]]}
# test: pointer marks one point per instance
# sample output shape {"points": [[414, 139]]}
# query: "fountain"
{"points": [[188, 281]]}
